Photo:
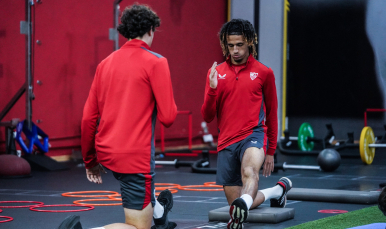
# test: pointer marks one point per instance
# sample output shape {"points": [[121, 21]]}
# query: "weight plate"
{"points": [[305, 131], [367, 137]]}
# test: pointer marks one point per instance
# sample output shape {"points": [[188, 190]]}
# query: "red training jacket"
{"points": [[131, 88], [245, 98]]}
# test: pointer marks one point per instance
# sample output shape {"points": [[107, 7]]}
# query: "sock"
{"points": [[248, 200], [158, 210], [272, 193]]}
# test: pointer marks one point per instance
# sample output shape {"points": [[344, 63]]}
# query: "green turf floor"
{"points": [[351, 219]]}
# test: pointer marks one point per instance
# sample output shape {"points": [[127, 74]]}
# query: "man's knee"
{"points": [[250, 172]]}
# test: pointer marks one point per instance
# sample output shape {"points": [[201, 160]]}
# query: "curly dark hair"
{"points": [[382, 201], [137, 20], [238, 27]]}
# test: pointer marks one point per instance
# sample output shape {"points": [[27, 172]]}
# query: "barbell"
{"points": [[306, 138], [286, 166], [177, 163], [328, 160], [367, 145]]}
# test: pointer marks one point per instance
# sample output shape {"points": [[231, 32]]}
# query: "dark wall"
{"points": [[331, 70], [74, 39]]}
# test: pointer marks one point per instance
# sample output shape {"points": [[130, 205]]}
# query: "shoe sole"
{"points": [[168, 208], [237, 218]]}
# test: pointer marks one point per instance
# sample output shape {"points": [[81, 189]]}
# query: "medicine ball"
{"points": [[329, 160], [12, 166]]}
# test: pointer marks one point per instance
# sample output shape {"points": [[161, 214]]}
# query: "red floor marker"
{"points": [[23, 206], [88, 207], [7, 219], [333, 211]]}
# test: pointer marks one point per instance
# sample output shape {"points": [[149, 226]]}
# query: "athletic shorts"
{"points": [[137, 190], [229, 159]]}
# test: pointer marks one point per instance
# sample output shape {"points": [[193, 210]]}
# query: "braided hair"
{"points": [[138, 20], [238, 27]]}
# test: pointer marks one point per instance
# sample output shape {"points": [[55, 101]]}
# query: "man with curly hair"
{"points": [[131, 89], [241, 92]]}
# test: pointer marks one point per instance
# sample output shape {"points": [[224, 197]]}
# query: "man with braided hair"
{"points": [[241, 92], [131, 89]]}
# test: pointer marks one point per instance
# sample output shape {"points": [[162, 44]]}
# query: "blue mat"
{"points": [[371, 226]]}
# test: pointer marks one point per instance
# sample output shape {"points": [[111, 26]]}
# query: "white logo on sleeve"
{"points": [[254, 142], [253, 75], [221, 76]]}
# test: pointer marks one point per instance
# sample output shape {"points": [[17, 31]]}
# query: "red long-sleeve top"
{"points": [[245, 98], [131, 88]]}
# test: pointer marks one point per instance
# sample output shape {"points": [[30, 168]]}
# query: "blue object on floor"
{"points": [[33, 137], [371, 226]]}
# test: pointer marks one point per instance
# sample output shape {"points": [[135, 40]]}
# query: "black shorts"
{"points": [[229, 159], [137, 190]]}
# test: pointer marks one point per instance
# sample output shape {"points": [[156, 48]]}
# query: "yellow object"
{"points": [[367, 137], [284, 81]]}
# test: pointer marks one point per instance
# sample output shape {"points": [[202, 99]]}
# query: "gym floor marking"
{"points": [[326, 177], [357, 178]]}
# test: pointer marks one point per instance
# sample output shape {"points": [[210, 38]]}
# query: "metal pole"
{"points": [[116, 22], [310, 167], [29, 86], [365, 118], [190, 131]]}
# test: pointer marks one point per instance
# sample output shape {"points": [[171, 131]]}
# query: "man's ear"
{"points": [[150, 31]]}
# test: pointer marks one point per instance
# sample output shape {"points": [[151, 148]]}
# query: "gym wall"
{"points": [[337, 64], [74, 37]]}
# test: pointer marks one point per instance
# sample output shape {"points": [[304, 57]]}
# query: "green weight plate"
{"points": [[305, 131]]}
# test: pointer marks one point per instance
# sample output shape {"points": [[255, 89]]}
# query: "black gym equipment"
{"points": [[256, 215], [286, 166], [331, 195], [288, 145], [199, 166], [329, 160]]}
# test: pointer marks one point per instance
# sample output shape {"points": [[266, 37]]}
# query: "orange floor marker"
{"points": [[199, 188], [212, 184], [81, 202], [74, 194]]}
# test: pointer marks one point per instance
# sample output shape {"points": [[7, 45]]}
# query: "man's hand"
{"points": [[213, 76], [268, 165], [94, 174]]}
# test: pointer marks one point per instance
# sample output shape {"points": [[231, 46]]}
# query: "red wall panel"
{"points": [[74, 39]]}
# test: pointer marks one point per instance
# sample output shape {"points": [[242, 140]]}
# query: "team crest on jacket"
{"points": [[253, 75]]}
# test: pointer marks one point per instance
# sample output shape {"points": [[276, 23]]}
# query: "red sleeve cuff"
{"points": [[212, 92], [271, 151], [91, 164]]}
